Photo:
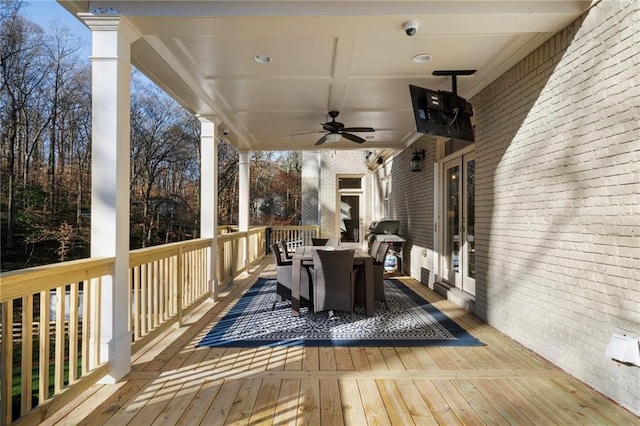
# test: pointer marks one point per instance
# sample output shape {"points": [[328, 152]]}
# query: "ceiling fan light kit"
{"points": [[334, 137]]}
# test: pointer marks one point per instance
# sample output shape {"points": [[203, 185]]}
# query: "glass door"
{"points": [[458, 230], [350, 220], [349, 210]]}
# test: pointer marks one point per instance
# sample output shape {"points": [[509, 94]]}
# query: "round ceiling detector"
{"points": [[262, 58], [421, 58]]}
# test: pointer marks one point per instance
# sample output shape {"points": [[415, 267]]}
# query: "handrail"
{"points": [[165, 282], [15, 284]]}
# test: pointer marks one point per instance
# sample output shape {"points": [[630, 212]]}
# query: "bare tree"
{"points": [[164, 149], [22, 73]]}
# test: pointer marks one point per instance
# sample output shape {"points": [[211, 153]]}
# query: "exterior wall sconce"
{"points": [[417, 161]]}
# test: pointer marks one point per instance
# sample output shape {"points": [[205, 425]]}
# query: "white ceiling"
{"points": [[350, 56]]}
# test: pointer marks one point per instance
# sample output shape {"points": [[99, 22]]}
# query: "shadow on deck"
{"points": [[173, 382]]}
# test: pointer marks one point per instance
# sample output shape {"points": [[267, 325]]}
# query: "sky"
{"points": [[44, 12]]}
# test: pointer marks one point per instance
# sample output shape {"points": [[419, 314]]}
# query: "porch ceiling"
{"points": [[350, 56]]}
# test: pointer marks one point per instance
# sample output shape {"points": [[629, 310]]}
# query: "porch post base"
{"points": [[213, 290], [119, 356]]}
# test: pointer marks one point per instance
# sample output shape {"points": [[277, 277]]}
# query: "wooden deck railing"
{"points": [[43, 369], [294, 236], [31, 375]]}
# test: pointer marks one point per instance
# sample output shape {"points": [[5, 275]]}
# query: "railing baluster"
{"points": [[27, 354], [136, 306], [7, 361], [162, 284], [179, 284], [86, 326], [96, 290], [130, 308], [143, 300], [154, 323], [45, 346], [58, 381], [73, 333]]}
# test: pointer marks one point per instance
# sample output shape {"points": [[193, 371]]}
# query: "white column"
{"points": [[209, 196], [243, 180], [111, 74], [243, 204]]}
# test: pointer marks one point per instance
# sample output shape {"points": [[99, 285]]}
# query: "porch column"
{"points": [[243, 205], [111, 73], [209, 196]]}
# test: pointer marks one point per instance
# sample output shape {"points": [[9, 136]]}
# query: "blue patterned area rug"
{"points": [[409, 321]]}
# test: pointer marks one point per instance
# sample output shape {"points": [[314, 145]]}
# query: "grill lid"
{"points": [[384, 226]]}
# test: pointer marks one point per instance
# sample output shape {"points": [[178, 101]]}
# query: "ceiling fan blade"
{"points": [[358, 129], [306, 133], [353, 138], [322, 140]]}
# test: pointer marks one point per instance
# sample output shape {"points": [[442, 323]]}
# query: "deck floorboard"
{"points": [[173, 382]]}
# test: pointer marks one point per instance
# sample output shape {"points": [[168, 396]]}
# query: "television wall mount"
{"points": [[454, 75]]}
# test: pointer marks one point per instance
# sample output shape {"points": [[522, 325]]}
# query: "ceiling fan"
{"points": [[337, 128]]}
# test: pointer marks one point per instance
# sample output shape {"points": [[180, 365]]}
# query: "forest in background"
{"points": [[45, 137]]}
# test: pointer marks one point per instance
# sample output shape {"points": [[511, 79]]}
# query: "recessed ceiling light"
{"points": [[263, 58], [421, 58]]}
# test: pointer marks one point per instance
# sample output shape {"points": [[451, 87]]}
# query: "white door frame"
{"points": [[461, 279]]}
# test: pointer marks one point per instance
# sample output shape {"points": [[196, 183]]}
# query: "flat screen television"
{"points": [[441, 113]]}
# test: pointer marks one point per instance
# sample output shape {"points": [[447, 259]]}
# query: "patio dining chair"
{"points": [[333, 280], [378, 273], [284, 275], [319, 241], [373, 250], [284, 250]]}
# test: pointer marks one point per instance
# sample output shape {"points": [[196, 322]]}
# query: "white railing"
{"points": [[57, 345], [294, 236]]}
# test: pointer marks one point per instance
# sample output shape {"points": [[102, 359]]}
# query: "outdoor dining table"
{"points": [[304, 256]]}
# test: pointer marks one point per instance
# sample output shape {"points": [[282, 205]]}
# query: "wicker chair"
{"points": [[373, 250], [378, 276], [284, 250], [333, 280], [319, 241], [284, 273], [378, 273]]}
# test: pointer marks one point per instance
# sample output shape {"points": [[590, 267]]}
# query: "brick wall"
{"points": [[310, 181], [558, 198], [412, 203], [323, 187]]}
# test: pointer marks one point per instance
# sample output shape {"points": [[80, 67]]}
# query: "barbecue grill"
{"points": [[386, 231]]}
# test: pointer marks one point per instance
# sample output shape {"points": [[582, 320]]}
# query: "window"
{"points": [[349, 183]]}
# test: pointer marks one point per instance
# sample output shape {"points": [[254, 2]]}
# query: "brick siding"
{"points": [[558, 198], [412, 203], [320, 189]]}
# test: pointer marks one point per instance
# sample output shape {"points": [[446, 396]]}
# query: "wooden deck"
{"points": [[172, 382]]}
